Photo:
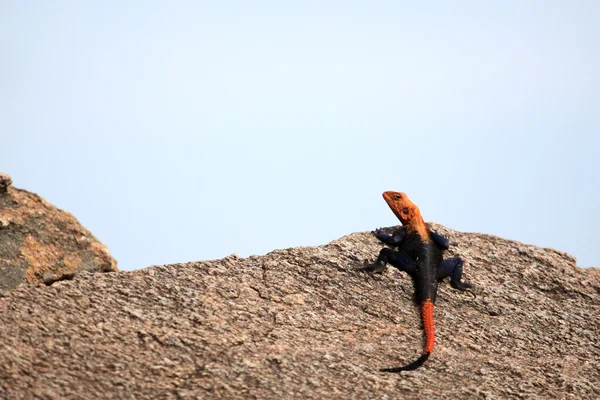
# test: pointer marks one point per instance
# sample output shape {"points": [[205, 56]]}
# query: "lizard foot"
{"points": [[461, 285], [377, 268]]}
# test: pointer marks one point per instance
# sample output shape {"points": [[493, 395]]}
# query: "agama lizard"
{"points": [[419, 253]]}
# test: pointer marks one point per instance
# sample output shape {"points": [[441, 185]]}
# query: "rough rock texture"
{"points": [[42, 244], [305, 323]]}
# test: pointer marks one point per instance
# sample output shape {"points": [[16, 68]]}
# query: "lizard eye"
{"points": [[397, 197], [405, 210]]}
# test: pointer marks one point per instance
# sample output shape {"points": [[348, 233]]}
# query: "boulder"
{"points": [[41, 244], [305, 323]]}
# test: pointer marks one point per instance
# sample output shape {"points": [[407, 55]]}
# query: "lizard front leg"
{"points": [[391, 240], [442, 242]]}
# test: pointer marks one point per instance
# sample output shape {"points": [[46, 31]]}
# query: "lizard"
{"points": [[419, 253]]}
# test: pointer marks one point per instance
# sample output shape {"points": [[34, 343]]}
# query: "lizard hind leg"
{"points": [[393, 257], [453, 267]]}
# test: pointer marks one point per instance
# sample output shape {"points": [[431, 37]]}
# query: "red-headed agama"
{"points": [[418, 252]]}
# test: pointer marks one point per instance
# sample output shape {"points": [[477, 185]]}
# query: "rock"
{"points": [[304, 323], [42, 244], [5, 182]]}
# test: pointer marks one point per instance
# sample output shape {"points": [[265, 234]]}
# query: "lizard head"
{"points": [[405, 210]]}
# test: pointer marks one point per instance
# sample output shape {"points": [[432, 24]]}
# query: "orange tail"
{"points": [[427, 317]]}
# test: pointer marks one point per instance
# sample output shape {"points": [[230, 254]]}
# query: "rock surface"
{"points": [[304, 323], [42, 244]]}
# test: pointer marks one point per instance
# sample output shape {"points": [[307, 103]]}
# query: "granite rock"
{"points": [[305, 323], [42, 244]]}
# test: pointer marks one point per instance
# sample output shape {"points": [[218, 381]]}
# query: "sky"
{"points": [[181, 131]]}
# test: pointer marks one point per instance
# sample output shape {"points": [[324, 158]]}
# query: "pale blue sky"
{"points": [[188, 130]]}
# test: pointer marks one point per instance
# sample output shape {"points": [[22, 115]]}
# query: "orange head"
{"points": [[406, 211]]}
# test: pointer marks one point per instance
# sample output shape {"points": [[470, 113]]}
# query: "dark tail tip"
{"points": [[413, 365]]}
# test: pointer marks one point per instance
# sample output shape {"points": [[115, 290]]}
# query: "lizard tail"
{"points": [[427, 317]]}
